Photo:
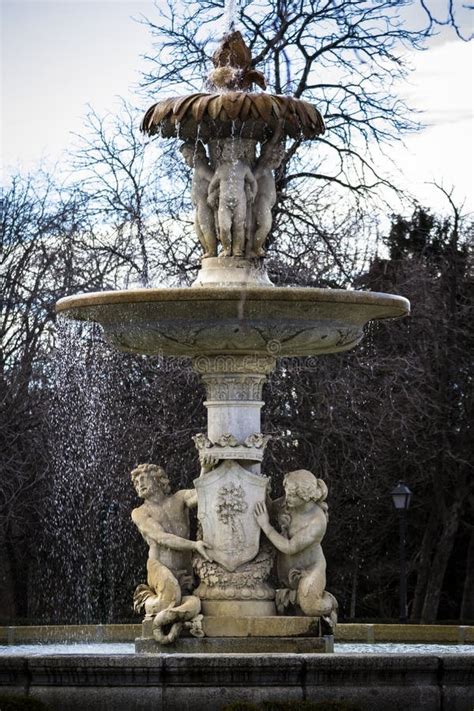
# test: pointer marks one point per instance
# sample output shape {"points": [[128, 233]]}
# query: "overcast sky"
{"points": [[60, 55]]}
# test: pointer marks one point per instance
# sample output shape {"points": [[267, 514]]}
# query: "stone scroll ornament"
{"points": [[302, 516], [228, 447], [163, 521]]}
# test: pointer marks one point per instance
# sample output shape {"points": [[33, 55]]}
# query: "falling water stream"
{"points": [[231, 12], [80, 565]]}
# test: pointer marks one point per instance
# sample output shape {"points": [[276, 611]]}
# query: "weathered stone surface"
{"points": [[208, 682], [163, 521], [393, 681], [457, 682], [204, 223], [415, 633], [238, 645], [234, 400], [232, 271], [358, 632], [247, 583], [232, 192], [261, 626], [468, 634], [354, 632], [226, 501], [302, 514], [249, 123], [238, 608], [272, 321], [235, 198]]}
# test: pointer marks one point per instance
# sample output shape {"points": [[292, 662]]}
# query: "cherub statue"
{"points": [[302, 515], [163, 521], [271, 156], [231, 188], [204, 223]]}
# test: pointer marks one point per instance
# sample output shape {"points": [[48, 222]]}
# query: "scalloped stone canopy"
{"points": [[232, 113]]}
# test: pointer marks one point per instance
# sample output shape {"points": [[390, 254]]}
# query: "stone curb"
{"points": [[353, 632], [141, 682]]}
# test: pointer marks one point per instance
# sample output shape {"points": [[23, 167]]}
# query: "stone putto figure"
{"points": [[163, 521], [204, 223], [231, 189], [270, 159], [302, 515]]}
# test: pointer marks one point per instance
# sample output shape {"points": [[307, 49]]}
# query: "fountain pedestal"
{"points": [[232, 271], [236, 583], [234, 401]]}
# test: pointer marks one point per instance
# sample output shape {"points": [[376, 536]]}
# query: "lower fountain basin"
{"points": [[121, 680], [276, 321]]}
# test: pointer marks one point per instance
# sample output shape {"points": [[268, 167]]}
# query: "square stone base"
{"points": [[245, 635], [238, 645]]}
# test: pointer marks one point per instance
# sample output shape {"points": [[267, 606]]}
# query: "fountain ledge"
{"points": [[142, 682]]}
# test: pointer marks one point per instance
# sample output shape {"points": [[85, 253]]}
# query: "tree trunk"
{"points": [[19, 575], [424, 565], [7, 593], [355, 580], [444, 549], [467, 605]]}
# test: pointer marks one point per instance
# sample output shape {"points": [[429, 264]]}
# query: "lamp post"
{"points": [[401, 496]]}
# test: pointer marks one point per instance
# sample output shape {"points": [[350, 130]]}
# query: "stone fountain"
{"points": [[255, 580]]}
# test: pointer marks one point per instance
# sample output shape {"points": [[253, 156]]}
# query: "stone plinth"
{"points": [[241, 634], [238, 645], [232, 271]]}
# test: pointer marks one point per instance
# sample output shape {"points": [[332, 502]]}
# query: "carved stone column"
{"points": [[234, 393], [235, 583]]}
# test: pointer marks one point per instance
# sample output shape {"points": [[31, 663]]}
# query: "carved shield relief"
{"points": [[226, 501]]}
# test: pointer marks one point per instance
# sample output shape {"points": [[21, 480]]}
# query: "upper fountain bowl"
{"points": [[215, 320], [232, 114]]}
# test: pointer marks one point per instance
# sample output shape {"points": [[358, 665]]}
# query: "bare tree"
{"points": [[45, 240], [127, 187], [433, 255], [452, 13], [348, 58]]}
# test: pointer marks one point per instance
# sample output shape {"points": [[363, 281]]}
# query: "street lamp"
{"points": [[401, 497]]}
